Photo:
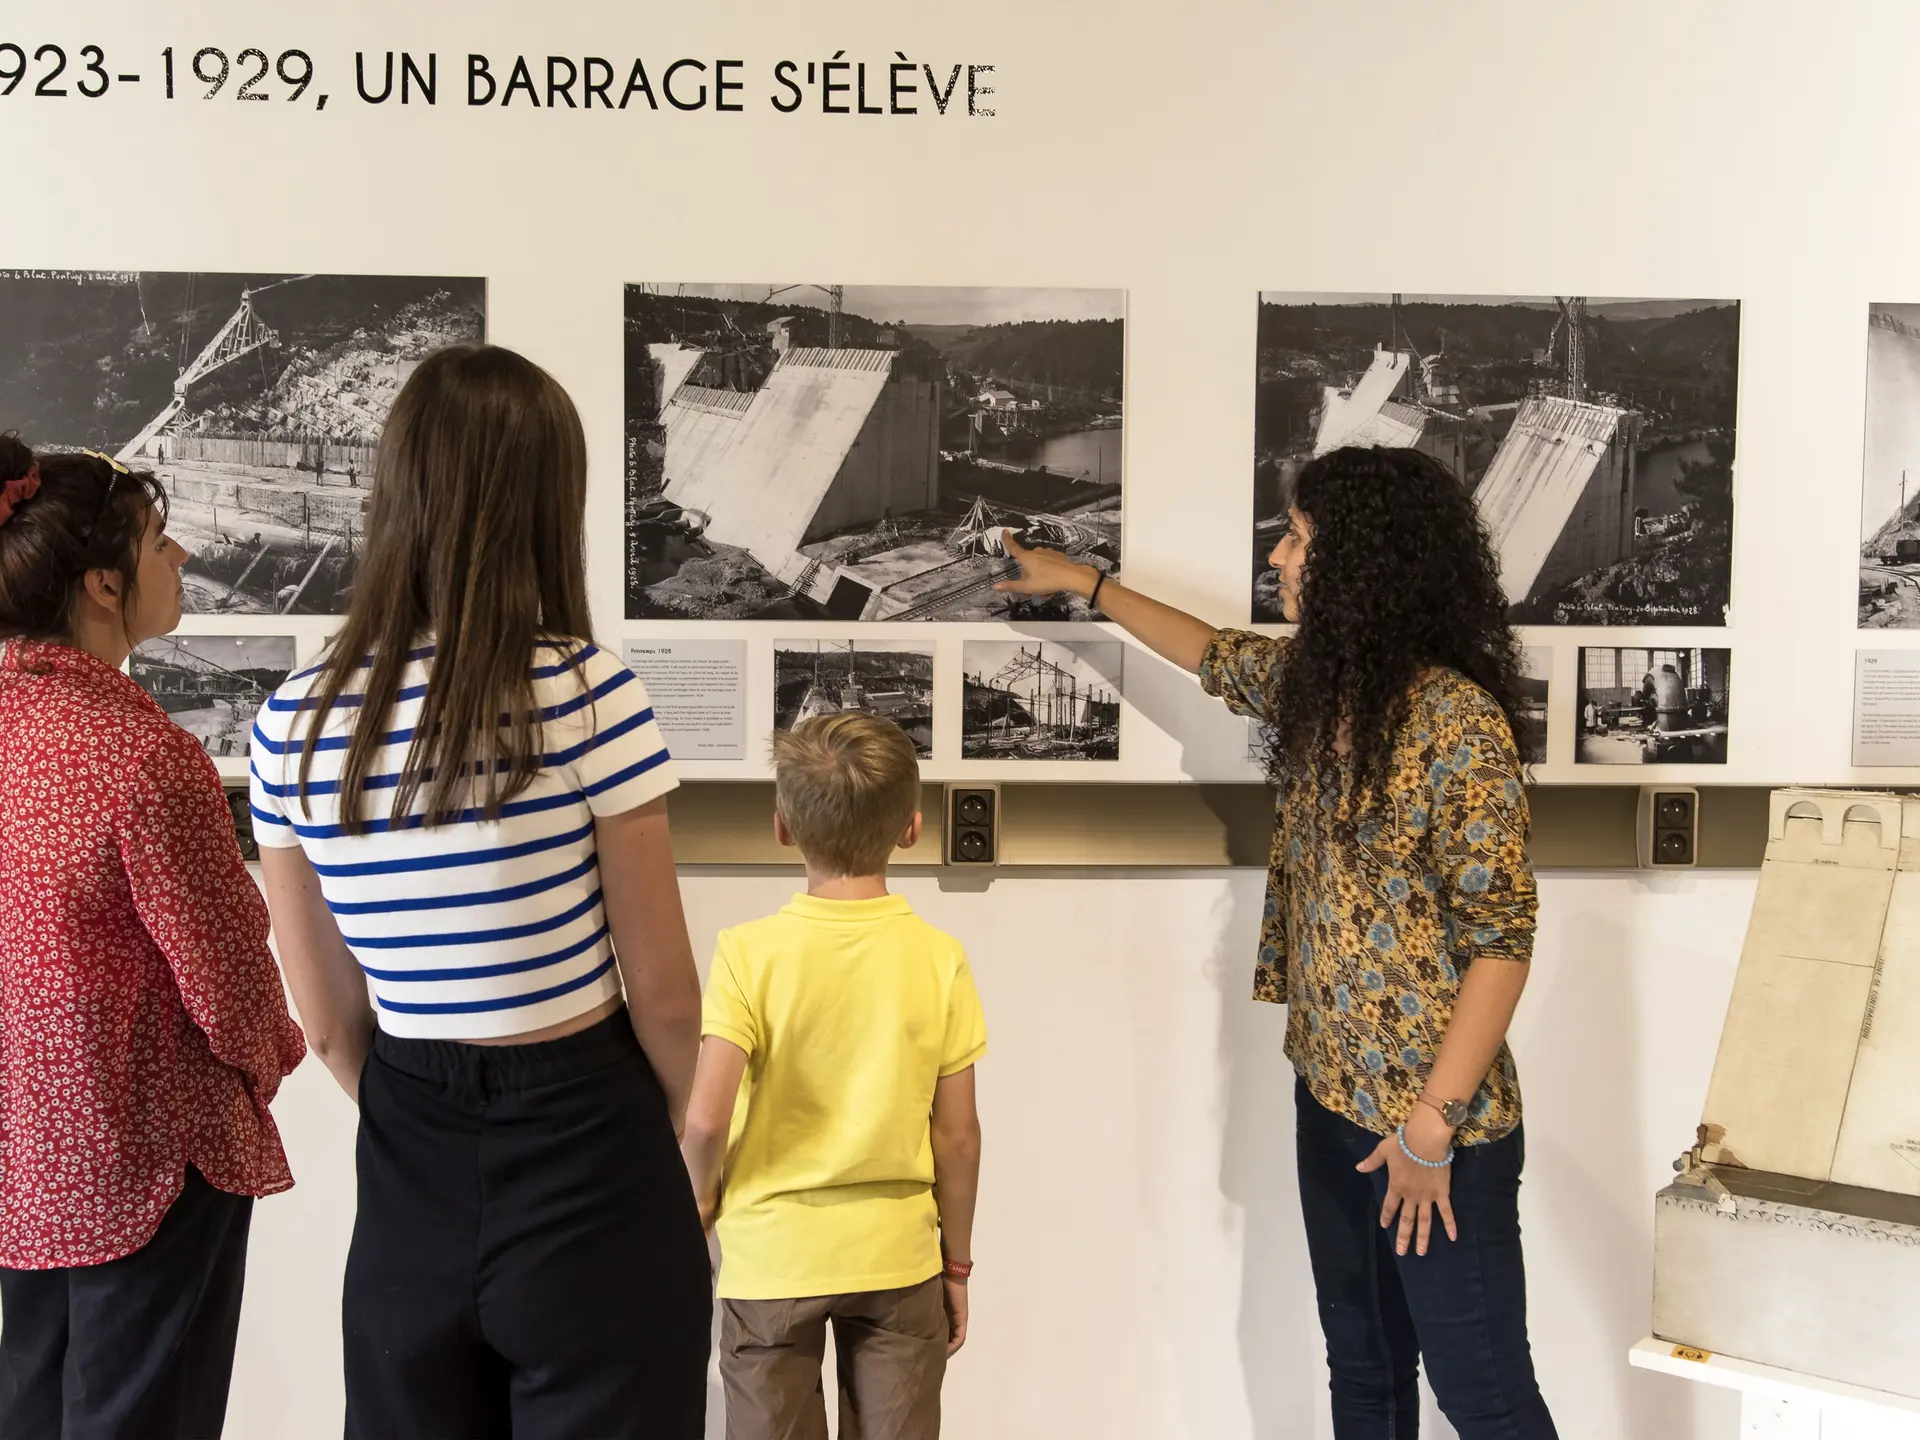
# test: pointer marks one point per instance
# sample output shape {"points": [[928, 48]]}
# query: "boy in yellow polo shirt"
{"points": [[835, 1090]]}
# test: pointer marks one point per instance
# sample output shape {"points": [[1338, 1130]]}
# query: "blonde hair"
{"points": [[846, 785]]}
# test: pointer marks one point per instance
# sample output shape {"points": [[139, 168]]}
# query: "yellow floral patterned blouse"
{"points": [[1372, 918]]}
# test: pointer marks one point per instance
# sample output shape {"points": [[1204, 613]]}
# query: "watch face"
{"points": [[1454, 1112]]}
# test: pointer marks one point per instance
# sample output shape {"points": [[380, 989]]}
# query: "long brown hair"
{"points": [[86, 515], [475, 534]]}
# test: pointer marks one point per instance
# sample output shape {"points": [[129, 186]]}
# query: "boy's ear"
{"points": [[912, 836], [781, 834]]}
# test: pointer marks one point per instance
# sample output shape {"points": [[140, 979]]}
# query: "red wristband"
{"points": [[957, 1269]]}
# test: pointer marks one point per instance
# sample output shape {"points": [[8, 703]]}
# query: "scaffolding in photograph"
{"points": [[172, 671], [1057, 707], [981, 531], [836, 305]]}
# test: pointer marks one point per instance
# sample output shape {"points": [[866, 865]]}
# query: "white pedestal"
{"points": [[1778, 1404], [1820, 1279]]}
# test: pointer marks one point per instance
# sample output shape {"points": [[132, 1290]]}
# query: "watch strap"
{"points": [[1454, 1112]]}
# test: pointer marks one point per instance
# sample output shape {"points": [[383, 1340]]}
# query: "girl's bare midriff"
{"points": [[556, 1032]]}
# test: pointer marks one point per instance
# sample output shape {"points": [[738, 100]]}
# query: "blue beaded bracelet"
{"points": [[1401, 1135]]}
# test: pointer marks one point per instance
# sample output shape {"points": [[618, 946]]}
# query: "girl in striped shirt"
{"points": [[463, 834]]}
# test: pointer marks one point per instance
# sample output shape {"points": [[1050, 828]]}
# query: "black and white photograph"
{"points": [[880, 677], [1596, 435], [1041, 700], [1536, 679], [212, 686], [1890, 473], [1652, 707], [256, 399], [856, 452]]}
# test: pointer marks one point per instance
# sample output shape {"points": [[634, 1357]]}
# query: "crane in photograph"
{"points": [[1431, 380], [1569, 337], [836, 300], [243, 333]]}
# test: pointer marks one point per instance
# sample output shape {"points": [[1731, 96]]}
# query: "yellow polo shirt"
{"points": [[849, 1011]]}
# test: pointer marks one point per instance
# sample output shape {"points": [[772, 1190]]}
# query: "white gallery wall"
{"points": [[1143, 1274], [1755, 152], [1142, 1271]]}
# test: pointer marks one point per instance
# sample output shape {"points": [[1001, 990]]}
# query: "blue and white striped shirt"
{"points": [[471, 930]]}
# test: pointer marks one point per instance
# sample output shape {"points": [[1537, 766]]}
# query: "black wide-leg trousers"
{"points": [[527, 1260]]}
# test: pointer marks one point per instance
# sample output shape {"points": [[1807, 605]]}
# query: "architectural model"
{"points": [[1793, 1234]]}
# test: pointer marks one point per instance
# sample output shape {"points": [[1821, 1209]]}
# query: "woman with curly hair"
{"points": [[1399, 922]]}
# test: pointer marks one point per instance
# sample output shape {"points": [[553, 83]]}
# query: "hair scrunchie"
{"points": [[15, 491]]}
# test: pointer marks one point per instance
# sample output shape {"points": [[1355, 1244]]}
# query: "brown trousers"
{"points": [[891, 1349]]}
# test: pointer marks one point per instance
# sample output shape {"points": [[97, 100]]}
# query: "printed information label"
{"points": [[1886, 707], [699, 694]]}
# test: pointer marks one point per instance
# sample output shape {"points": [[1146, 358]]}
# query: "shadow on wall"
{"points": [[1213, 740], [1615, 1040], [1278, 1328], [1602, 1250], [1281, 1367]]}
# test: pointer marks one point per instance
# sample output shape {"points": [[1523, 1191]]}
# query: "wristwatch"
{"points": [[1454, 1112]]}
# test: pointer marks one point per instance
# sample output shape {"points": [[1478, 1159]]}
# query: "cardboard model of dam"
{"points": [[1793, 1237]]}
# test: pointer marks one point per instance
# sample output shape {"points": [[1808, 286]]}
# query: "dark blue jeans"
{"points": [[1462, 1306]]}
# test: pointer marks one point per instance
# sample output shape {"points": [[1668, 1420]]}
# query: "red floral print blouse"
{"points": [[143, 1026]]}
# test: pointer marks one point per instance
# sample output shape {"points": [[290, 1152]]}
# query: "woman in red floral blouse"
{"points": [[143, 1027]]}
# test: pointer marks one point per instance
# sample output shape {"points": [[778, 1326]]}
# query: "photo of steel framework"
{"points": [[1595, 435], [1647, 707], [256, 399], [880, 677], [213, 685], [1890, 472], [854, 452], [1041, 700]]}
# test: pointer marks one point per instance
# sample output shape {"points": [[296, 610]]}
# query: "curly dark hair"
{"points": [[1400, 575]]}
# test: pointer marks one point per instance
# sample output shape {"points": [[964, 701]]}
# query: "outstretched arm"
{"points": [[1172, 634]]}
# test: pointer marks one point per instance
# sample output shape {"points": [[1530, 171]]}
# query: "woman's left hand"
{"points": [[1415, 1192]]}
